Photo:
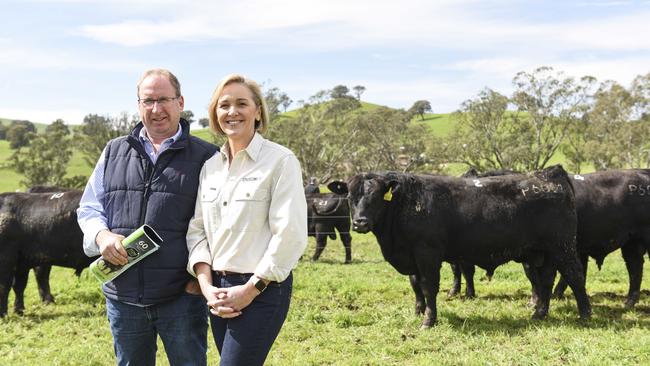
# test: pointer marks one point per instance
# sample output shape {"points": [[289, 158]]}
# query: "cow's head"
{"points": [[369, 195]]}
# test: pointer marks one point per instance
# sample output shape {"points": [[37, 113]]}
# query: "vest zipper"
{"points": [[143, 213]]}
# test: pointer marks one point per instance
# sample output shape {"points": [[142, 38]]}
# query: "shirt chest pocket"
{"points": [[211, 208], [250, 208]]}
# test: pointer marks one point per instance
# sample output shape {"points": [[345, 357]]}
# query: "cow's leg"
{"points": [[533, 276], [428, 263], [455, 287], [633, 256], [468, 272], [21, 275], [321, 242], [43, 279], [562, 284], [347, 244], [420, 303], [571, 269], [8, 260], [543, 277]]}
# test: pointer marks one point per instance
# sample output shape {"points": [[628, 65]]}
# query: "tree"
{"points": [[3, 131], [29, 125], [487, 136], [97, 130], [275, 98], [387, 139], [420, 108], [45, 161], [285, 101], [332, 138], [313, 136], [618, 130], [18, 136], [550, 104], [358, 90], [188, 115], [339, 91], [19, 133], [204, 122]]}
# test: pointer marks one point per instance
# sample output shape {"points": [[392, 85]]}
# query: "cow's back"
{"points": [[45, 228], [490, 220], [612, 206]]}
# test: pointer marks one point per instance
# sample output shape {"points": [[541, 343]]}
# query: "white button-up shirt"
{"points": [[251, 218]]}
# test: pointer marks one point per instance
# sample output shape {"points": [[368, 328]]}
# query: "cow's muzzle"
{"points": [[360, 225]]}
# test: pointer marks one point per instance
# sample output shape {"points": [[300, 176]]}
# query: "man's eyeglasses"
{"points": [[149, 103]]}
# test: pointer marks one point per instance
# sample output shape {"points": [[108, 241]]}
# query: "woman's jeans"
{"points": [[247, 338], [181, 323]]}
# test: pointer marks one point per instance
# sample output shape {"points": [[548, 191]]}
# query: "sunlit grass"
{"points": [[363, 314]]}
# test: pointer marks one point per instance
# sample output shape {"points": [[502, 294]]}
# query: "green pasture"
{"points": [[363, 314], [440, 125]]}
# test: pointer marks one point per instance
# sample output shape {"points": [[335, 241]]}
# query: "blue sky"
{"points": [[67, 58]]}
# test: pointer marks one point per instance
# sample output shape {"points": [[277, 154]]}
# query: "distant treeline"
{"points": [[599, 125]]}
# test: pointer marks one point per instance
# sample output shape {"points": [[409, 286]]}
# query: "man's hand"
{"points": [[111, 248]]}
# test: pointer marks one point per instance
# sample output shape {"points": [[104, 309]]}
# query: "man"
{"points": [[150, 177]]}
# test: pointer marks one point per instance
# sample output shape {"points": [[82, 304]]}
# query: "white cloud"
{"points": [[339, 24], [70, 116]]}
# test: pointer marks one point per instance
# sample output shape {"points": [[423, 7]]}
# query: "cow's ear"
{"points": [[338, 187], [392, 187]]}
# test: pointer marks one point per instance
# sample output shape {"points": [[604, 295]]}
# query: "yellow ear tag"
{"points": [[388, 196]]}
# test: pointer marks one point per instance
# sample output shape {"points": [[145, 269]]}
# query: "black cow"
{"points": [[37, 229], [612, 209], [327, 212], [419, 221], [312, 186], [42, 273], [467, 269]]}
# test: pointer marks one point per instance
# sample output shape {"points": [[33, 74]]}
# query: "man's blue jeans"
{"points": [[181, 323], [247, 339]]}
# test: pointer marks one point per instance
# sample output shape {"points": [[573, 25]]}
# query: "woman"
{"points": [[249, 228]]}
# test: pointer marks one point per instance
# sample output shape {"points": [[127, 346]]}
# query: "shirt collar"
{"points": [[145, 138], [253, 149]]}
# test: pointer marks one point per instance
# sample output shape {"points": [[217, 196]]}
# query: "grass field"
{"points": [[362, 314]]}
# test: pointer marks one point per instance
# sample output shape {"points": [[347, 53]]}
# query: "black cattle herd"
{"points": [[547, 220]]}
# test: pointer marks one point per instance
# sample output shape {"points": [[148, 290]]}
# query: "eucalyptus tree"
{"points": [[45, 160], [619, 125], [318, 134], [550, 104], [421, 107], [387, 139], [188, 115], [488, 136], [96, 131], [358, 90]]}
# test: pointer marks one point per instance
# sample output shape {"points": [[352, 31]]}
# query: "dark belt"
{"points": [[229, 273]]}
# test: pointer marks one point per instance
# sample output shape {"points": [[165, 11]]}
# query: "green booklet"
{"points": [[138, 245]]}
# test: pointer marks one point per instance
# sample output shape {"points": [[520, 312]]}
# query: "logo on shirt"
{"points": [[250, 179]]}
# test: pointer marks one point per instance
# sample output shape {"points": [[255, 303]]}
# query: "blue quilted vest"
{"points": [[161, 195]]}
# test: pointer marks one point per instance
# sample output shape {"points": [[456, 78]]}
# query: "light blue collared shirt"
{"points": [[90, 214]]}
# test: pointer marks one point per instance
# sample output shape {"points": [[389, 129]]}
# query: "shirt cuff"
{"points": [[90, 234], [198, 256], [269, 271]]}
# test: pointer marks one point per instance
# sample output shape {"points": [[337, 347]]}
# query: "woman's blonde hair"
{"points": [[258, 99]]}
